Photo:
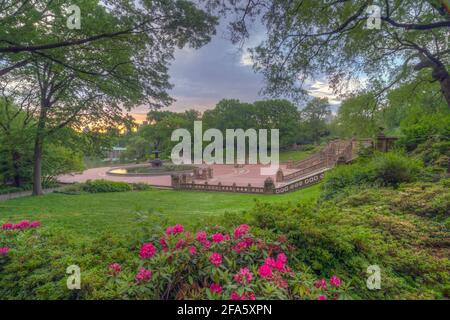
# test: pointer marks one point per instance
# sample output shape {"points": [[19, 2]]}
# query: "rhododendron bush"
{"points": [[217, 264], [211, 263], [10, 230]]}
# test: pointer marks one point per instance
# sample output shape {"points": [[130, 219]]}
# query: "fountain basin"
{"points": [[149, 170]]}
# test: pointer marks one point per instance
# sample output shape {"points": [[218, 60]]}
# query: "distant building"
{"points": [[115, 153]]}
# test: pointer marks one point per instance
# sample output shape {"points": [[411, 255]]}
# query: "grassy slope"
{"points": [[297, 155], [88, 214]]}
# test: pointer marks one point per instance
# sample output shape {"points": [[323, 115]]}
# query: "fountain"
{"points": [[156, 168], [156, 162]]}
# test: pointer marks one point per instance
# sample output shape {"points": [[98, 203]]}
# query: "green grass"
{"points": [[89, 214], [297, 155]]}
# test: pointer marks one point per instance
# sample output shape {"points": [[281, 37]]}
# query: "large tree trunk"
{"points": [[37, 158], [16, 168], [37, 167], [439, 72], [445, 88]]}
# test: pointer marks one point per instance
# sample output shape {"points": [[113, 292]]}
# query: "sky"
{"points": [[220, 70]]}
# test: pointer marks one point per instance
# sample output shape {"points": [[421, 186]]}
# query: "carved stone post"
{"points": [[290, 163], [280, 175], [269, 186], [210, 172], [175, 180]]}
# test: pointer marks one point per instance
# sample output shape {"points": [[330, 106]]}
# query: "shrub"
{"points": [[336, 238], [346, 176], [140, 186], [98, 186], [214, 263], [385, 169], [391, 169]]}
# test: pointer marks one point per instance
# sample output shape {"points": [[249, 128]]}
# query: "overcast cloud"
{"points": [[217, 71]]}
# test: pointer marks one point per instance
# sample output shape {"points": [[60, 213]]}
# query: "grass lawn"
{"points": [[297, 155], [89, 214]]}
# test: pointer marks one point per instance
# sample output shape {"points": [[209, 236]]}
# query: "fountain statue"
{"points": [[156, 163]]}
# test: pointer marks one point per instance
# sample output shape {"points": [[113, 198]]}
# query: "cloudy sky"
{"points": [[219, 70]]}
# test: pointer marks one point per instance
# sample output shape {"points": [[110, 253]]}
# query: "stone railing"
{"points": [[335, 152], [302, 172], [309, 171], [269, 186], [302, 183], [220, 188]]}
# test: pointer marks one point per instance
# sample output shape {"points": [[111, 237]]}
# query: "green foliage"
{"points": [[385, 169], [99, 186], [392, 168], [394, 229], [313, 124], [357, 116], [41, 257], [427, 136]]}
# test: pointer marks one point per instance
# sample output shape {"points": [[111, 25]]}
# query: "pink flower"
{"points": [[282, 258], [335, 281], [35, 224], [162, 241], [215, 288], [240, 246], [235, 296], [201, 236], [321, 284], [265, 271], [321, 298], [248, 296], [178, 228], [148, 250], [206, 244], [245, 296], [244, 276], [115, 269], [24, 224], [193, 250], [143, 275], [169, 231], [241, 231], [215, 258], [218, 237], [4, 251], [7, 226], [180, 244]]}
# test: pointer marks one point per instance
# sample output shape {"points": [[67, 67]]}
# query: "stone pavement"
{"points": [[226, 174]]}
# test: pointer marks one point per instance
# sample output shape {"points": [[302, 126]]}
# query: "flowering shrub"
{"points": [[9, 230], [216, 264]]}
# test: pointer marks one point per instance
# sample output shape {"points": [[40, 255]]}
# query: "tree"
{"points": [[278, 114], [16, 149], [22, 23], [92, 85], [313, 119], [358, 116], [310, 37]]}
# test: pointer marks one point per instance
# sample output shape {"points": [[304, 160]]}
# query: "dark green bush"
{"points": [[346, 236], [391, 169], [98, 186], [140, 186], [383, 169]]}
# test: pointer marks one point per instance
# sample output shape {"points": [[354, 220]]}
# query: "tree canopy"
{"points": [[310, 38]]}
